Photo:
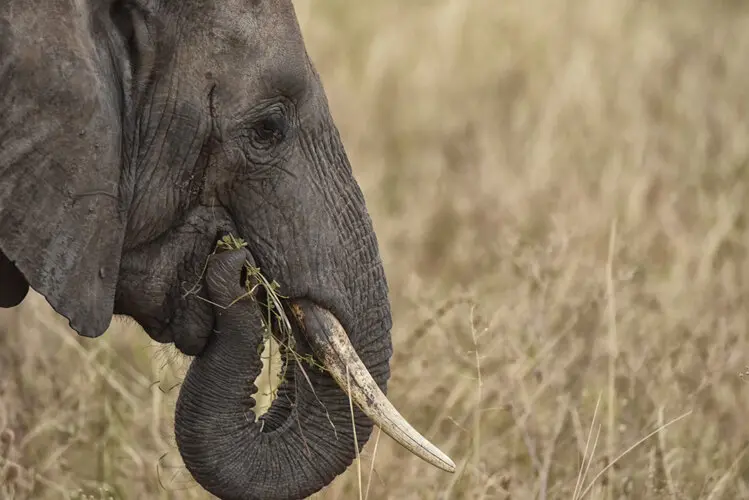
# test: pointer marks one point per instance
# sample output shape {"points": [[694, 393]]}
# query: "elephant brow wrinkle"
{"points": [[95, 193]]}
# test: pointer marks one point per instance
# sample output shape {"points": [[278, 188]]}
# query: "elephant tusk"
{"points": [[332, 346]]}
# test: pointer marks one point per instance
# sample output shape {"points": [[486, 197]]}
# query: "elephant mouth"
{"points": [[335, 353]]}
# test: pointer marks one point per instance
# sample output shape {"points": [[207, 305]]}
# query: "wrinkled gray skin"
{"points": [[131, 135]]}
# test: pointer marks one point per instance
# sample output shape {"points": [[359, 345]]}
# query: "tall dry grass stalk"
{"points": [[560, 191]]}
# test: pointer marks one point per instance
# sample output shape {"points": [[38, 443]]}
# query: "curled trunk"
{"points": [[299, 446]]}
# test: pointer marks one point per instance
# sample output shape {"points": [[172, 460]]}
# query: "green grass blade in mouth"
{"points": [[276, 324]]}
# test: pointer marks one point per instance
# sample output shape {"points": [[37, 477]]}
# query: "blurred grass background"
{"points": [[560, 192]]}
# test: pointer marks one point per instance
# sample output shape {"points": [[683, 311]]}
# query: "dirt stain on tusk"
{"points": [[332, 346]]}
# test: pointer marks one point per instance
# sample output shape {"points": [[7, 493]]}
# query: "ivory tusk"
{"points": [[331, 345]]}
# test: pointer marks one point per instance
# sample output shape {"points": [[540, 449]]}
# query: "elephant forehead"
{"points": [[245, 33], [248, 46]]}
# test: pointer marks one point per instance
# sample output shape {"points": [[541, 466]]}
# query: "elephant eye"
{"points": [[269, 131]]}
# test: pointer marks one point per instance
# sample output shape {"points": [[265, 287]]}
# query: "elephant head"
{"points": [[132, 134]]}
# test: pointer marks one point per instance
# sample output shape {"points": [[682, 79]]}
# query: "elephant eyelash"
{"points": [[269, 132]]}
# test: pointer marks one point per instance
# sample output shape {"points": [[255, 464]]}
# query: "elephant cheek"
{"points": [[143, 297], [161, 283]]}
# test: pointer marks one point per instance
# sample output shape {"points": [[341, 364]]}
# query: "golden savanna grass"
{"points": [[560, 192]]}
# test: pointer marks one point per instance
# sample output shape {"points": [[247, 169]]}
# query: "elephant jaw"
{"points": [[332, 346]]}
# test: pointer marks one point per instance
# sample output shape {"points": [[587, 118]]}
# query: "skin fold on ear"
{"points": [[61, 214], [13, 286]]}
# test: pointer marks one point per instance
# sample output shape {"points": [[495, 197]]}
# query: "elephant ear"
{"points": [[61, 222], [13, 286]]}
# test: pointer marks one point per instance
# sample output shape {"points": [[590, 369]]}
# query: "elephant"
{"points": [[134, 135]]}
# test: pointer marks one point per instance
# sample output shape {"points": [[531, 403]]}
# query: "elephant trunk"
{"points": [[296, 448], [307, 437]]}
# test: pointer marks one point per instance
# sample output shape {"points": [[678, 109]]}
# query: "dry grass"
{"points": [[560, 191]]}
